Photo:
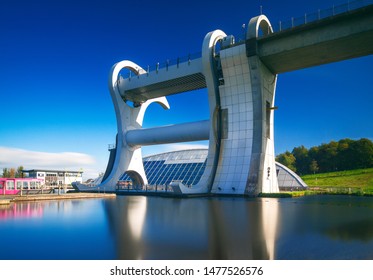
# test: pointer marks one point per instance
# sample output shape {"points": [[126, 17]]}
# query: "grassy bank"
{"points": [[351, 180]]}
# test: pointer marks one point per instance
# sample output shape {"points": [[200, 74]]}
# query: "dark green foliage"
{"points": [[302, 159], [19, 173], [314, 167], [6, 173], [287, 159], [345, 154]]}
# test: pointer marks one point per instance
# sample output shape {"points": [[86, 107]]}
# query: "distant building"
{"points": [[55, 177]]}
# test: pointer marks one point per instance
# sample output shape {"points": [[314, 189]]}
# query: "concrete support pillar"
{"points": [[128, 158], [246, 162], [262, 173]]}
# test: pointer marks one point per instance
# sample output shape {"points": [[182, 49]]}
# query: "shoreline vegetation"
{"points": [[358, 182]]}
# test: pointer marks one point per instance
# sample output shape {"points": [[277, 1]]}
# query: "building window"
{"points": [[10, 185], [268, 119]]}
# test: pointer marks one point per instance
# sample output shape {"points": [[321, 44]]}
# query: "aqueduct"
{"points": [[240, 78]]}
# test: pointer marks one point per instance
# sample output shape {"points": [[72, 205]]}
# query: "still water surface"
{"points": [[136, 227]]}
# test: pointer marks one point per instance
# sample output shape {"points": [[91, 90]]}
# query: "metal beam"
{"points": [[186, 132]]}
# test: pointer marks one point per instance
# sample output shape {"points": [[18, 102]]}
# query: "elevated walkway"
{"points": [[182, 77]]}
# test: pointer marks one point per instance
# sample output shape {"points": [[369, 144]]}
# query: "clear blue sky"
{"points": [[55, 57]]}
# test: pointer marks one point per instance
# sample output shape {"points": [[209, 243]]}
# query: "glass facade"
{"points": [[184, 166]]}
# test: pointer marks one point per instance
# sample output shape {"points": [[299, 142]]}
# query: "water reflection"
{"points": [[22, 210], [325, 227], [136, 217], [360, 230], [199, 228], [137, 227], [69, 229]]}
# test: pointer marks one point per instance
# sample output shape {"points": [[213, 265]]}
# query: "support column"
{"points": [[210, 72], [262, 174], [127, 158], [246, 161]]}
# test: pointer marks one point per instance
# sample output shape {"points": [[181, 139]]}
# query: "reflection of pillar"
{"points": [[270, 217], [233, 236], [249, 235], [155, 228], [136, 217], [126, 220]]}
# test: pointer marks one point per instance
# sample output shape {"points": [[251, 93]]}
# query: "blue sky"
{"points": [[55, 57]]}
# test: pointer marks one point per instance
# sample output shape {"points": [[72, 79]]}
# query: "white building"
{"points": [[55, 177]]}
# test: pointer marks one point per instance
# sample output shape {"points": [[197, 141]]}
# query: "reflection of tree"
{"points": [[356, 230]]}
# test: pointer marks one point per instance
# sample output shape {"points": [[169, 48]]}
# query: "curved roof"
{"points": [[288, 178], [183, 156]]}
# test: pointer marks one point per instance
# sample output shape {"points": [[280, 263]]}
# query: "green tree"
{"points": [[344, 156], [287, 159], [19, 173], [302, 160], [314, 167], [12, 173], [363, 153], [5, 173], [327, 156]]}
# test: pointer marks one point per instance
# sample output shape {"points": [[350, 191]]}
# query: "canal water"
{"points": [[137, 227]]}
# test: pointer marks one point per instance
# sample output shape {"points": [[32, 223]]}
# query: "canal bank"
{"points": [[4, 201], [39, 197]]}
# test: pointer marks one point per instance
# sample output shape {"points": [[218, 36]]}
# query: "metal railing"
{"points": [[321, 14], [144, 189], [162, 65]]}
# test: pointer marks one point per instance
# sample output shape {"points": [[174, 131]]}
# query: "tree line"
{"points": [[346, 154], [13, 173]]}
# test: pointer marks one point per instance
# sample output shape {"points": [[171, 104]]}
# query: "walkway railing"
{"points": [[144, 189], [164, 64], [321, 14]]}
